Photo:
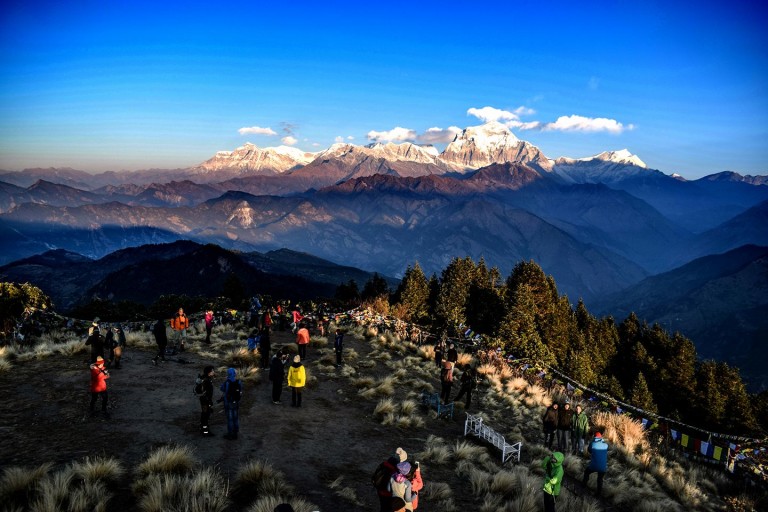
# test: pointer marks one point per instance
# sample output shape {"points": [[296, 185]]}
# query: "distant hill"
{"points": [[719, 302], [142, 274]]}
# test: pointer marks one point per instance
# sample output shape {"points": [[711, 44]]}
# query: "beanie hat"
{"points": [[598, 434], [99, 360], [401, 454], [296, 358], [404, 467]]}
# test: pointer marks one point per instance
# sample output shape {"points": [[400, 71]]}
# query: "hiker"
{"points": [[232, 390], [381, 476], [598, 462], [400, 486], [206, 400], [98, 388], [338, 346], [297, 377], [564, 420], [467, 381], [161, 338], [302, 340], [579, 430], [180, 323], [439, 354], [208, 325], [297, 317], [264, 347], [446, 381], [452, 355], [417, 484], [94, 325], [550, 425], [553, 476], [96, 342], [276, 374], [117, 345]]}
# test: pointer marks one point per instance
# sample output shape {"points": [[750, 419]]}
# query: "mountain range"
{"points": [[599, 225]]}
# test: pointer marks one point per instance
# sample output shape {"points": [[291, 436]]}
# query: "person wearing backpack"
{"points": [[180, 324], [297, 378], [468, 382], [208, 325], [161, 338], [232, 390], [381, 476], [204, 391], [446, 381]]}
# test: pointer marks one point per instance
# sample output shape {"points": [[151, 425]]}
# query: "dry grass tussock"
{"points": [[268, 504], [441, 494], [140, 339], [258, 479], [621, 430], [168, 460], [38, 351], [436, 451], [241, 357], [381, 388], [318, 341], [204, 489], [426, 352], [348, 494], [99, 469], [465, 359], [18, 484]]}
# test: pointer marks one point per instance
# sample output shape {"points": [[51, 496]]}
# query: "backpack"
{"points": [[380, 477], [199, 390], [234, 392]]}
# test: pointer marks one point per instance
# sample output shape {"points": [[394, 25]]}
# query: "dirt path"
{"points": [[45, 418]]}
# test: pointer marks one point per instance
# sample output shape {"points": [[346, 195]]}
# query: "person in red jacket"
{"points": [[180, 323], [417, 484], [99, 376]]}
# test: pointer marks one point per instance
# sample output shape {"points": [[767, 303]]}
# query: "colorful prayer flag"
{"points": [[704, 447], [684, 440], [675, 434], [718, 453]]}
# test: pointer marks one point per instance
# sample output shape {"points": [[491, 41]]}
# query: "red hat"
{"points": [[598, 434], [99, 360]]}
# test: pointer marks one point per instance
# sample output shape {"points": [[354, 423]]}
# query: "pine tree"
{"points": [[375, 288], [413, 294], [641, 396], [518, 329], [454, 292]]}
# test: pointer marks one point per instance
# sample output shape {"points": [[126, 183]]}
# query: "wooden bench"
{"points": [[474, 425], [432, 400]]}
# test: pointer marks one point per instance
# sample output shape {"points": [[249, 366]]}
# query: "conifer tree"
{"points": [[375, 288], [454, 292], [485, 304], [641, 396], [413, 294], [519, 331]]}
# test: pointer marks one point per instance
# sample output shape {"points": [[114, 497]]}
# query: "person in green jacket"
{"points": [[579, 430], [553, 476]]}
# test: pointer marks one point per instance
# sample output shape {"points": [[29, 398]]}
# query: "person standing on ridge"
{"points": [[276, 374], [98, 387], [297, 378], [302, 340], [161, 338], [206, 400], [553, 477], [564, 420], [598, 462], [96, 342], [208, 325], [467, 381], [180, 324], [579, 430], [232, 391], [338, 346]]}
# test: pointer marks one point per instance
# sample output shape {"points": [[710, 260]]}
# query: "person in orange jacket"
{"points": [[302, 340], [180, 323], [98, 387], [417, 484]]}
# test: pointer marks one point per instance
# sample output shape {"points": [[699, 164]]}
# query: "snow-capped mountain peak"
{"points": [[622, 156]]}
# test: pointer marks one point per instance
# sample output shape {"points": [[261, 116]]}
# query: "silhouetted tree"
{"points": [[375, 288], [233, 289], [413, 295], [348, 293]]}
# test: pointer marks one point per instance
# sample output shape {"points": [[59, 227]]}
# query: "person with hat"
{"points": [[549, 422], [206, 400], [400, 486], [297, 378], [564, 420], [382, 475], [98, 388], [277, 373], [96, 342], [598, 462], [553, 477]]}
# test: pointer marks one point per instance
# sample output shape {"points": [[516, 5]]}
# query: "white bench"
{"points": [[474, 425]]}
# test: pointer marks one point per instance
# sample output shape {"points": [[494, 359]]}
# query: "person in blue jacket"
{"points": [[598, 462], [232, 390]]}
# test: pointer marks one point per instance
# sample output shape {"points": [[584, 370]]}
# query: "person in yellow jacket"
{"points": [[297, 378], [179, 324]]}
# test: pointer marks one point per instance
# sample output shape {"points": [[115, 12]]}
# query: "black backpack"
{"points": [[199, 389], [380, 477], [234, 391]]}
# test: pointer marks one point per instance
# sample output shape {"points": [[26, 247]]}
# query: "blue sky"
{"points": [[110, 85]]}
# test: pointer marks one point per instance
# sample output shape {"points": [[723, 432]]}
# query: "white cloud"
{"points": [[438, 135], [350, 137], [576, 123], [524, 111], [532, 125], [289, 140], [256, 130], [339, 139], [397, 134], [488, 114]]}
